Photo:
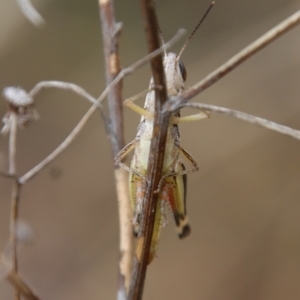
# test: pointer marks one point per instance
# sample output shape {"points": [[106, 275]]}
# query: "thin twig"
{"points": [[12, 143], [15, 280], [65, 86], [156, 156], [31, 173], [247, 118], [110, 32], [14, 212], [15, 192], [236, 60], [115, 131]]}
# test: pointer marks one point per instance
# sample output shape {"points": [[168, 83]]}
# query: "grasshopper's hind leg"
{"points": [[124, 152], [181, 172], [177, 188]]}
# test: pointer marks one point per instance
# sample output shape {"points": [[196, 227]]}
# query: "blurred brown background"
{"points": [[244, 203]]}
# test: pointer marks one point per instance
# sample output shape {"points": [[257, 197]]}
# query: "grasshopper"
{"points": [[173, 184]]}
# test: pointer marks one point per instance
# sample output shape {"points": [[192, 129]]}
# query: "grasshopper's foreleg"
{"points": [[124, 152], [183, 172], [129, 103]]}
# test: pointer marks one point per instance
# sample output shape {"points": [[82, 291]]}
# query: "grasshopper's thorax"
{"points": [[175, 74], [175, 77]]}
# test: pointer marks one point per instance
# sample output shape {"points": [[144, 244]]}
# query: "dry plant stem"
{"points": [[14, 212], [12, 144], [125, 217], [31, 173], [248, 118], [236, 60], [115, 132], [65, 86], [156, 156], [110, 33], [15, 280], [15, 192]]}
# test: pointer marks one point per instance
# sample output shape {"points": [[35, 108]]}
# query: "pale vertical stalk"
{"points": [[12, 143], [125, 215], [15, 193], [114, 127]]}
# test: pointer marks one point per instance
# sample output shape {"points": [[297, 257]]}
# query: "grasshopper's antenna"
{"points": [[196, 28], [161, 37]]}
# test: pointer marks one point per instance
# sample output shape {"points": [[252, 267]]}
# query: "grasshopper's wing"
{"points": [[156, 232], [177, 200], [136, 193]]}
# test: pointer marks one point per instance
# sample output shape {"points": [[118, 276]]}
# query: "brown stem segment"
{"points": [[14, 212], [110, 33], [15, 280], [156, 157]]}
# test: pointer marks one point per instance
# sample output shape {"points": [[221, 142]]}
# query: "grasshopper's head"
{"points": [[175, 74]]}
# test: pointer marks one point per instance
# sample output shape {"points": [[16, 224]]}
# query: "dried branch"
{"points": [[14, 209], [20, 112], [15, 196], [12, 148], [64, 86], [14, 212], [110, 32], [235, 61], [15, 280], [247, 118], [115, 131], [156, 156]]}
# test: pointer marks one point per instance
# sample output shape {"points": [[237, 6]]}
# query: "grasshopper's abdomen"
{"points": [[172, 191]]}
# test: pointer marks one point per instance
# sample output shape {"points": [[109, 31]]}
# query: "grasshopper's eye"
{"points": [[182, 70]]}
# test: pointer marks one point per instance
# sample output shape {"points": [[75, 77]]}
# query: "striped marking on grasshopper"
{"points": [[173, 184]]}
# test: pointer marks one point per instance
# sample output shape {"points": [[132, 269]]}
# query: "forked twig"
{"points": [[19, 284]]}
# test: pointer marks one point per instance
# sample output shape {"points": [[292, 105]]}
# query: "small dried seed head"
{"points": [[17, 96], [20, 105]]}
